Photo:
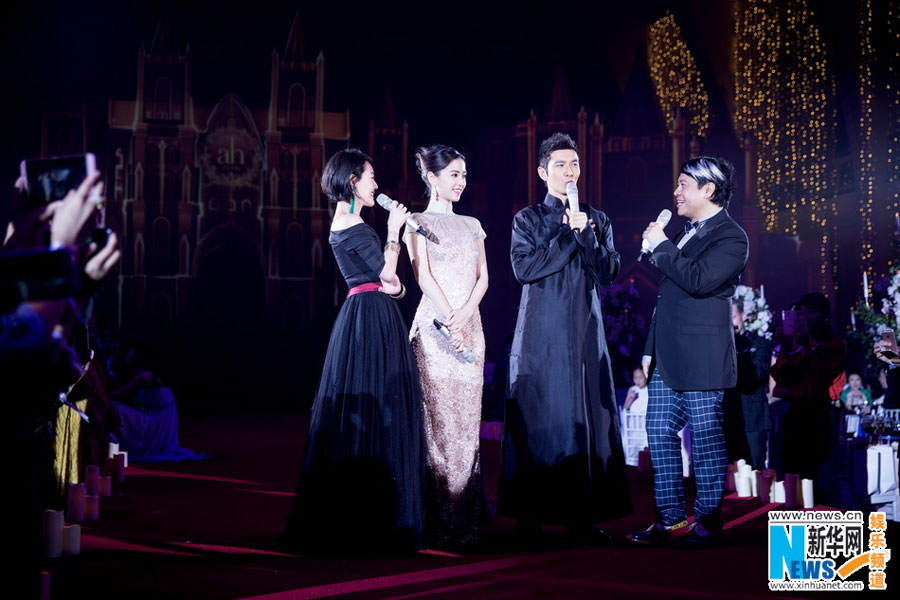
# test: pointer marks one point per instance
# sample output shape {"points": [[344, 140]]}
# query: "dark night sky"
{"points": [[452, 67]]}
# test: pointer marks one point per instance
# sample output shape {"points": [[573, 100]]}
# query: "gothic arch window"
{"points": [[303, 162], [139, 255], [273, 260], [293, 263], [317, 255], [162, 99], [159, 249], [296, 107], [173, 155], [184, 256], [316, 190], [287, 161], [151, 153]]}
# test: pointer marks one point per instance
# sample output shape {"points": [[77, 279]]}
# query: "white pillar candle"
{"points": [[754, 483], [778, 491], [112, 450], [71, 540], [91, 480], [75, 504], [52, 534], [743, 486], [808, 499], [762, 292], [125, 453], [745, 470], [105, 488], [91, 508], [866, 287]]}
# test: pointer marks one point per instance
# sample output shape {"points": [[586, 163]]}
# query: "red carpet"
{"points": [[210, 530]]}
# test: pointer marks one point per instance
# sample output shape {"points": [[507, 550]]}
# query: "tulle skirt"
{"points": [[362, 480]]}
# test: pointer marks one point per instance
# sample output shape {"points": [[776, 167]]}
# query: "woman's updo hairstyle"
{"points": [[340, 168], [434, 159]]}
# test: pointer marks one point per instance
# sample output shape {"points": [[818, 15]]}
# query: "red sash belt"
{"points": [[364, 287]]}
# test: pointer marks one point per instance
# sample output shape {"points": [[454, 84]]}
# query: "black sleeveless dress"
{"points": [[361, 485]]}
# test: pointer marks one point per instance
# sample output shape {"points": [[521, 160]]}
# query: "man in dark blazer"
{"points": [[754, 356], [690, 350]]}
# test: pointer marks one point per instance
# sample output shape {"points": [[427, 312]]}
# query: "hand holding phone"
{"points": [[50, 179], [889, 345]]}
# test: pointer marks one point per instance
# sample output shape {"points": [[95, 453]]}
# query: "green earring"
{"points": [[353, 200]]}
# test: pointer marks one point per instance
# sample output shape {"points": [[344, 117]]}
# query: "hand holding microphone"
{"points": [[577, 220], [466, 353], [385, 202], [654, 232]]}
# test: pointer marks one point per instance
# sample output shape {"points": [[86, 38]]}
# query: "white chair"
{"points": [[634, 435]]}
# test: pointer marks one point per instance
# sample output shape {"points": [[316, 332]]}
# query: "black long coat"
{"points": [[562, 451]]}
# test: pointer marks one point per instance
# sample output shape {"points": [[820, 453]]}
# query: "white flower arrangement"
{"points": [[757, 316]]}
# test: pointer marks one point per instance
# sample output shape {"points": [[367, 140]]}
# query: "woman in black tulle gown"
{"points": [[361, 483]]}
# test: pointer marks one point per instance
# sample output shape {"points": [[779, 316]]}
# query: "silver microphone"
{"points": [[662, 220], [384, 201], [572, 193], [466, 353]]}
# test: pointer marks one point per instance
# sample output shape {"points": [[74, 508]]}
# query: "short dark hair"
{"points": [[557, 141], [815, 301], [709, 169], [434, 159], [338, 171]]}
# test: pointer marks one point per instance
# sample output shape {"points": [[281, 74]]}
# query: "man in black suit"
{"points": [[754, 356], [690, 349]]}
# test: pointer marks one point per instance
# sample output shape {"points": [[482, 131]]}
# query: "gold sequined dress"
{"points": [[451, 387]]}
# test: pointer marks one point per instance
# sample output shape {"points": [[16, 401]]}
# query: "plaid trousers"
{"points": [[668, 412]]}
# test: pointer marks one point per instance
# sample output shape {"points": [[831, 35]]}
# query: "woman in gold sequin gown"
{"points": [[451, 270]]}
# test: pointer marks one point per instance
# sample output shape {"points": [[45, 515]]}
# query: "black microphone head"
{"points": [[384, 201]]}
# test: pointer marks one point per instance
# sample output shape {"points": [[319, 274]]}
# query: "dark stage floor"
{"points": [[210, 530]]}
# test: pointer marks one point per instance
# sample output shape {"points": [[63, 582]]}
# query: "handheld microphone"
{"points": [[384, 201], [572, 193], [466, 353], [662, 220]]}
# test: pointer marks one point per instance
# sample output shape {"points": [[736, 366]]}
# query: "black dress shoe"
{"points": [[655, 535], [699, 537], [589, 536]]}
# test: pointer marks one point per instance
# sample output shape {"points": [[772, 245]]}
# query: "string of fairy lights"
{"points": [[782, 91], [676, 76], [866, 167], [893, 161], [781, 94]]}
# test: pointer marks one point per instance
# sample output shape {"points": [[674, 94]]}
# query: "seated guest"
{"points": [[854, 397], [636, 399], [148, 417]]}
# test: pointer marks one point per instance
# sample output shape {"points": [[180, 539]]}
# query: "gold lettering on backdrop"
{"points": [[230, 155]]}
